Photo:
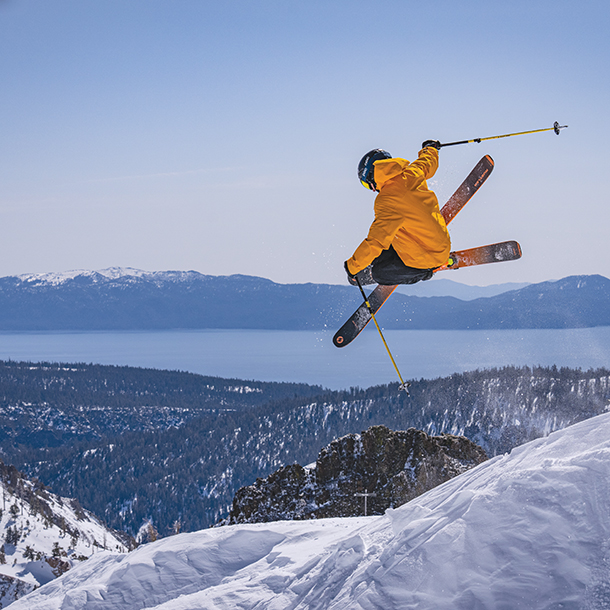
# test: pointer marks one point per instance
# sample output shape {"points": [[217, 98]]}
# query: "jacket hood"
{"points": [[386, 169]]}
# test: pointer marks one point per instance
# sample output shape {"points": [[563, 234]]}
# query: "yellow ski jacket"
{"points": [[407, 215]]}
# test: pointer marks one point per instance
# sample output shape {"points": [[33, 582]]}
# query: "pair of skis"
{"points": [[492, 253]]}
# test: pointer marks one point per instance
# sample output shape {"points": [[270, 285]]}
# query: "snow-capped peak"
{"points": [[110, 273]]}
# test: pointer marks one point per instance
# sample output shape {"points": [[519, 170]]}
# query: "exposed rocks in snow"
{"points": [[524, 530], [392, 466], [12, 588], [43, 535]]}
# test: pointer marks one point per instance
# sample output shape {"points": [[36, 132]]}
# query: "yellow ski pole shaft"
{"points": [[403, 385], [556, 128]]}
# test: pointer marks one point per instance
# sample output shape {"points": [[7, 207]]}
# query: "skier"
{"points": [[408, 238]]}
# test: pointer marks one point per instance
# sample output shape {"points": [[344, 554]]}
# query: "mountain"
{"points": [[189, 469], [441, 287], [573, 302], [392, 467], [129, 299], [44, 535], [126, 299], [524, 530]]}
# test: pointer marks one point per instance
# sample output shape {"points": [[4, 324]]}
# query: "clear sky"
{"points": [[224, 136]]}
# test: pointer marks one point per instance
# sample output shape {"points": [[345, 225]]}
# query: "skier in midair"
{"points": [[408, 238]]}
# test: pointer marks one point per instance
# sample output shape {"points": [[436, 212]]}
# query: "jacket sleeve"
{"points": [[423, 167], [381, 235]]}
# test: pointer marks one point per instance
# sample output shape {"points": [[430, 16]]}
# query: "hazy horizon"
{"points": [[224, 137]]}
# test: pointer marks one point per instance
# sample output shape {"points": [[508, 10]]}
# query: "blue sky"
{"points": [[224, 136]]}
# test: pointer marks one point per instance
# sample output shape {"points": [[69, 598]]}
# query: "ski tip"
{"points": [[508, 251], [489, 160]]}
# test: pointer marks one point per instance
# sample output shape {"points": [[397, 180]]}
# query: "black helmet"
{"points": [[365, 167]]}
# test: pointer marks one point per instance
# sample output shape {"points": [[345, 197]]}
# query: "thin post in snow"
{"points": [[366, 495]]}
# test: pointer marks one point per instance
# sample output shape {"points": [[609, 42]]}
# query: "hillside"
{"points": [[191, 472], [43, 535], [52, 404], [524, 530], [129, 299]]}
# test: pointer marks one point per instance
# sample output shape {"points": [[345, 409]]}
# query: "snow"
{"points": [[111, 273], [530, 529], [42, 540]]}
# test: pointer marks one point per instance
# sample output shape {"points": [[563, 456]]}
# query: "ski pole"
{"points": [[556, 127], [403, 385]]}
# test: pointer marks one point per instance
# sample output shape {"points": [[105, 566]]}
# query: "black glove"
{"points": [[350, 278], [433, 143], [365, 276]]}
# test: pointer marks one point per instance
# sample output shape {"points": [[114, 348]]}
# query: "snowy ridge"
{"points": [[130, 299], [111, 273], [43, 535], [530, 529]]}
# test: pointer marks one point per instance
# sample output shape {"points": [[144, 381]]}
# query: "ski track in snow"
{"points": [[529, 530]]}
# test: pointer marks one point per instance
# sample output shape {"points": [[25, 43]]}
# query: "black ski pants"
{"points": [[388, 269]]}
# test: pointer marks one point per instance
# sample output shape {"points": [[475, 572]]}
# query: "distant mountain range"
{"points": [[130, 299], [441, 287]]}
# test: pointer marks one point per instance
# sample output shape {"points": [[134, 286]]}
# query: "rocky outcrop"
{"points": [[395, 466], [12, 588]]}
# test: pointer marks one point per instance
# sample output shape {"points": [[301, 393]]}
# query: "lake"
{"points": [[310, 356]]}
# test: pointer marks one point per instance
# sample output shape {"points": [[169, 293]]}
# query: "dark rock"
{"points": [[394, 466]]}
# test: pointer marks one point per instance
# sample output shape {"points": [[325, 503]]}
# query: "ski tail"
{"points": [[362, 316]]}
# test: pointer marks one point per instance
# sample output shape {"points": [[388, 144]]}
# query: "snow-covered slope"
{"points": [[526, 530], [43, 535]]}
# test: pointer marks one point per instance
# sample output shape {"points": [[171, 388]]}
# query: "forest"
{"points": [[133, 445]]}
